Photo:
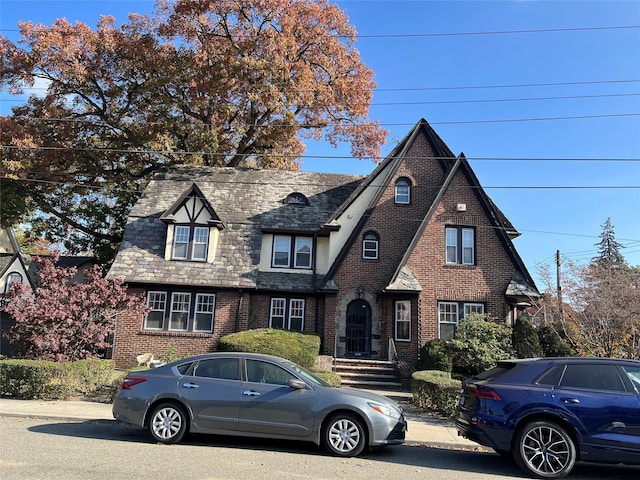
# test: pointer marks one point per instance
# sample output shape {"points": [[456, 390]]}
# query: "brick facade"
{"points": [[411, 265]]}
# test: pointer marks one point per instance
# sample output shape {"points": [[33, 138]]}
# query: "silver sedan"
{"points": [[255, 395]]}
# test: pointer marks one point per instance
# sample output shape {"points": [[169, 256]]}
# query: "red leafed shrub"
{"points": [[63, 320]]}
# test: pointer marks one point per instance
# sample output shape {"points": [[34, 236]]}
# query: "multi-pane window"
{"points": [[190, 243], [287, 313], [370, 245], [403, 191], [184, 311], [203, 316], [403, 320], [460, 245], [292, 252], [179, 318], [157, 302], [450, 314]]}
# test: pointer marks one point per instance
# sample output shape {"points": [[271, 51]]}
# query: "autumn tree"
{"points": [[601, 303], [63, 320], [214, 82]]}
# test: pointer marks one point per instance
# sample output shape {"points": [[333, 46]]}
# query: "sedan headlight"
{"points": [[384, 409]]}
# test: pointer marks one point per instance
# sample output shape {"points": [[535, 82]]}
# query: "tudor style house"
{"points": [[377, 265]]}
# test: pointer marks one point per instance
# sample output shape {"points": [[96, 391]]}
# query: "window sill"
{"points": [[165, 333]]}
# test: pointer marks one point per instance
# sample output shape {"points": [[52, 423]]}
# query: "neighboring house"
{"points": [[377, 265], [14, 267], [18, 267]]}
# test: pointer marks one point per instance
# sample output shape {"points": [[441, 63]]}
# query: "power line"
{"points": [[323, 125], [518, 85], [309, 157], [454, 102], [443, 34]]}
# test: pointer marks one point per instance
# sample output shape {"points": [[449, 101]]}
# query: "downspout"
{"points": [[238, 313]]}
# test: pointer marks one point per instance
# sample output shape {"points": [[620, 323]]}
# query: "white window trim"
{"points": [[305, 242], [286, 306], [288, 238], [175, 242], [459, 246], [398, 320], [205, 243], [212, 313], [374, 248], [461, 312], [164, 301], [187, 311], [401, 197]]}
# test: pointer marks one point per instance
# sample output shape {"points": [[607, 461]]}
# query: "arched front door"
{"points": [[358, 329]]}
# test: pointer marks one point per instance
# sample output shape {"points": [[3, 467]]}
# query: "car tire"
{"points": [[544, 449], [344, 436], [168, 423]]}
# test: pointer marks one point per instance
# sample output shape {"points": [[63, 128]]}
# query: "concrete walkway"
{"points": [[423, 428]]}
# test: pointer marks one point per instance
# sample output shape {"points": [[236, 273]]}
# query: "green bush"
{"points": [[479, 344], [31, 379], [553, 345], [302, 348], [46, 380], [332, 378], [435, 390], [436, 355], [525, 339]]}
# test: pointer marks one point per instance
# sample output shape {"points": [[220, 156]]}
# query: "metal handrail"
{"points": [[392, 352]]}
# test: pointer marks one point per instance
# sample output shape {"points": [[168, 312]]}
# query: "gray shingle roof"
{"points": [[247, 202]]}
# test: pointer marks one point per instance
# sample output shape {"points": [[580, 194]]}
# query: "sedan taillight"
{"points": [[130, 382]]}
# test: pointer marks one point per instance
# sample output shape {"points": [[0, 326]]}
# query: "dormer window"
{"points": [[291, 251], [190, 243], [13, 277], [403, 191], [296, 198]]}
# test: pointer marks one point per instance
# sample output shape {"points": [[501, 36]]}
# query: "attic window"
{"points": [[296, 198], [403, 191]]}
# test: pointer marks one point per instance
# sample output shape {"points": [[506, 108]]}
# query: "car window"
{"points": [[593, 377], [551, 376], [225, 368], [265, 372], [184, 368], [634, 375]]}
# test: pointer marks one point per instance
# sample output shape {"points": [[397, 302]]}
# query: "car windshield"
{"points": [[495, 372], [307, 375]]}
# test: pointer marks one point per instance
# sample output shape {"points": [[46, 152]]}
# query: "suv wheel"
{"points": [[544, 449]]}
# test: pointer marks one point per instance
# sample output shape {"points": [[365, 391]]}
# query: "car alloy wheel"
{"points": [[168, 423], [344, 435], [545, 449]]}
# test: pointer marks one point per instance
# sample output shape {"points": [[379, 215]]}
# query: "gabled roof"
{"points": [[504, 228], [193, 191], [249, 202]]}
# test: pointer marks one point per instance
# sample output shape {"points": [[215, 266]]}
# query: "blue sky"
{"points": [[543, 98]]}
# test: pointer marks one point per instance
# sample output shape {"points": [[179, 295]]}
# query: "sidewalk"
{"points": [[422, 429]]}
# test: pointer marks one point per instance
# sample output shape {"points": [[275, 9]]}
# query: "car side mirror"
{"points": [[297, 384]]}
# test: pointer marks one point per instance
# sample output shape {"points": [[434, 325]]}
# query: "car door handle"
{"points": [[190, 385], [251, 393], [570, 401]]}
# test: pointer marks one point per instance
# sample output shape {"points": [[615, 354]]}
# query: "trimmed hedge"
{"points": [[301, 348], [435, 390], [46, 380]]}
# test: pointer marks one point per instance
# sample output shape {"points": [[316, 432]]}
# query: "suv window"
{"points": [[551, 376], [495, 372], [593, 377], [634, 375]]}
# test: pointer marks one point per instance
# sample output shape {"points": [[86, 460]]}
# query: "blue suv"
{"points": [[549, 413]]}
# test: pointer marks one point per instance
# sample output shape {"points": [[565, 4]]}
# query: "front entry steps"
{"points": [[368, 374]]}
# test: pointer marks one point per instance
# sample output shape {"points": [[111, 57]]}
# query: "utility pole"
{"points": [[559, 285]]}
